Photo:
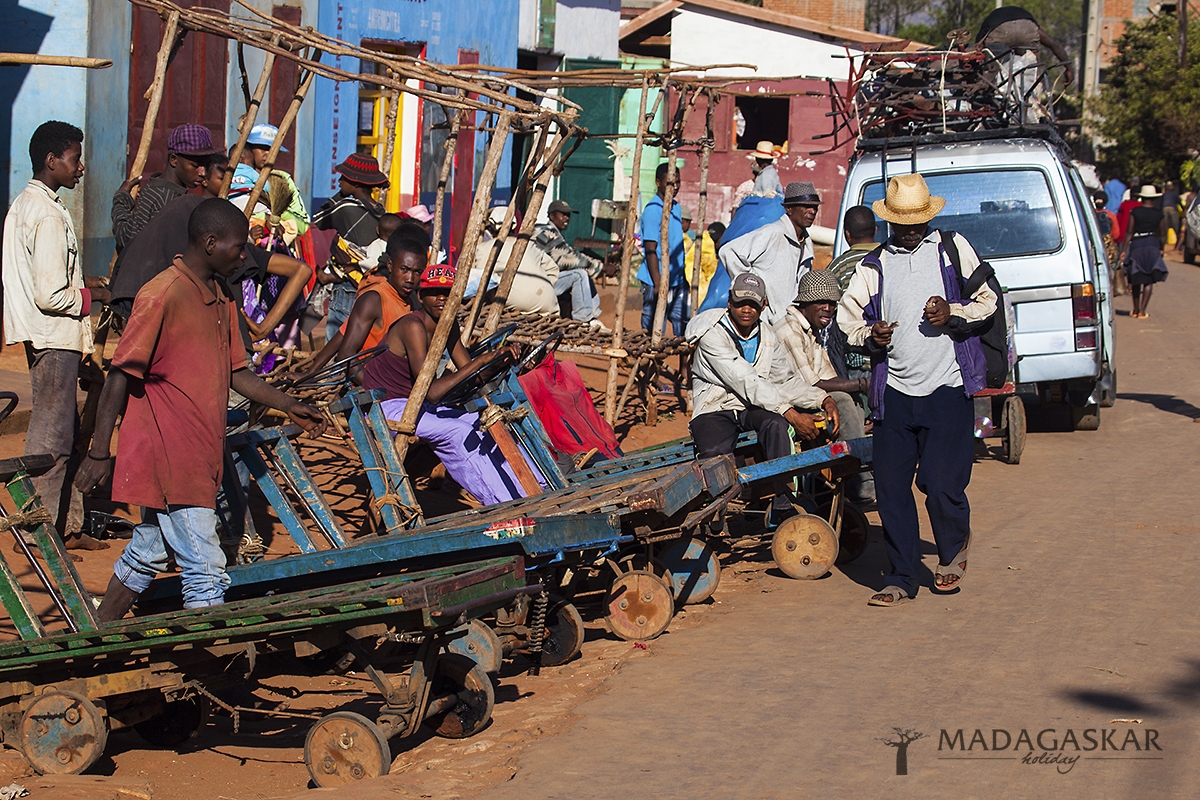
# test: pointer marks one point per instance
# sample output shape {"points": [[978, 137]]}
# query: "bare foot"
{"points": [[82, 541]]}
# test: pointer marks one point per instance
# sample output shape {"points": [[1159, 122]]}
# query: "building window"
{"points": [[759, 119]]}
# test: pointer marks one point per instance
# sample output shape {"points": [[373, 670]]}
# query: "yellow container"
{"points": [[1171, 239]]}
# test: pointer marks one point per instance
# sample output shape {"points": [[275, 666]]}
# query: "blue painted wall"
{"points": [[444, 26]]}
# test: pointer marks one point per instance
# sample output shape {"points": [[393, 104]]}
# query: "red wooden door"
{"points": [[195, 88], [283, 88], [464, 174]]}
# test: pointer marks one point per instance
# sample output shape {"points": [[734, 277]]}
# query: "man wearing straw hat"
{"points": [[905, 304], [766, 177]]}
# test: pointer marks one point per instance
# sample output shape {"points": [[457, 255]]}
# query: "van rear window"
{"points": [[1000, 212]]}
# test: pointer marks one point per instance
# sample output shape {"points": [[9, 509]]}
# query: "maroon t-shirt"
{"points": [[180, 347]]}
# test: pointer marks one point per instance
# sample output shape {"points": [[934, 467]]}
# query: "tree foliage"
{"points": [[1149, 109]]}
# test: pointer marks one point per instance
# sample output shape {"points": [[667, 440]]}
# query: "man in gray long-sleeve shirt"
{"points": [[189, 147], [907, 305]]}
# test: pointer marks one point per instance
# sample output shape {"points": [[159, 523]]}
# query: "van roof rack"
{"points": [[1038, 131]]}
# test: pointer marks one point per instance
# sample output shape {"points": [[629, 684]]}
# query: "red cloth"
{"points": [[180, 346], [1123, 218], [562, 403]]}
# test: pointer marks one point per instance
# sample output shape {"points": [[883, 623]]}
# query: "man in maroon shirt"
{"points": [[178, 357]]}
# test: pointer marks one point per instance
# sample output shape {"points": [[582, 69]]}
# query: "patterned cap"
{"points": [[192, 140], [362, 170], [437, 276], [817, 285], [801, 193], [748, 286]]}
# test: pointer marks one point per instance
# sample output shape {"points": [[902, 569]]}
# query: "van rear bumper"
{"points": [[1058, 366]]}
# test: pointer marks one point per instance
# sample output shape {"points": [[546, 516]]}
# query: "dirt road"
{"points": [[1075, 628]]}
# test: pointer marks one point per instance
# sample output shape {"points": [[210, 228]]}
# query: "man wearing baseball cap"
{"points": [[468, 452], [808, 323], [742, 381], [575, 269], [283, 195], [189, 147], [354, 214], [779, 252], [927, 362]]}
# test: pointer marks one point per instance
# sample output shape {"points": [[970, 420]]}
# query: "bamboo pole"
{"points": [[525, 234], [389, 140], [631, 216], [155, 94], [284, 125], [483, 193], [510, 213], [702, 206], [247, 120], [456, 120], [541, 182], [36, 59]]}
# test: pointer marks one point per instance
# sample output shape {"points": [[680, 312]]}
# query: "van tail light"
{"points": [[1085, 340], [1083, 305]]}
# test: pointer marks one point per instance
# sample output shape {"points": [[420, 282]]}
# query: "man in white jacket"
{"points": [[780, 252], [742, 380]]}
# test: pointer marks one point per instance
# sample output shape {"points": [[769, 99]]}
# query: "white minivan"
{"points": [[1020, 202]]}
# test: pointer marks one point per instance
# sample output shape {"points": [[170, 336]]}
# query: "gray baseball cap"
{"points": [[748, 286]]}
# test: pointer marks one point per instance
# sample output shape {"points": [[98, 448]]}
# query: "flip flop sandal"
{"points": [[890, 596], [953, 571]]}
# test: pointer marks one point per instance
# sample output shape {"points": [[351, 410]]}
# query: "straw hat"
{"points": [[765, 150], [1148, 192], [908, 201]]}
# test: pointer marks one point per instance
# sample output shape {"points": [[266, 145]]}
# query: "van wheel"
{"points": [[1108, 388], [1086, 418]]}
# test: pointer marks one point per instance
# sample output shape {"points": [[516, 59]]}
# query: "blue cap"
{"points": [[263, 135]]}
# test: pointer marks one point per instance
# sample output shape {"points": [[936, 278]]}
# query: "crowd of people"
{"points": [[1137, 228], [798, 354]]}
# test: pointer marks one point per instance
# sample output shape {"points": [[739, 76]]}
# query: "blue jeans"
{"points": [[677, 308], [585, 306], [341, 302], [191, 534], [931, 438]]}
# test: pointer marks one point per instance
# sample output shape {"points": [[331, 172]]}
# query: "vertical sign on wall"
{"points": [[547, 9]]}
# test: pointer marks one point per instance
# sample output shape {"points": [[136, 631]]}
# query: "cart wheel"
{"points": [[640, 606], [178, 722], [459, 676], [694, 569], [804, 546], [344, 747], [63, 733], [481, 645], [1014, 430], [856, 531], [564, 633]]}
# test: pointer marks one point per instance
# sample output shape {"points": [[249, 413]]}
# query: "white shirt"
{"points": [[43, 279], [774, 254]]}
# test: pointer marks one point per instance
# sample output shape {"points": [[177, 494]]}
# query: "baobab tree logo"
{"points": [[906, 736]]}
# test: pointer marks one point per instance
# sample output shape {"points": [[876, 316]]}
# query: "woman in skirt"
{"points": [[1143, 250]]}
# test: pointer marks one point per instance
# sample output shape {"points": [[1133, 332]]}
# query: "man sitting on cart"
{"points": [[469, 454], [808, 322], [742, 381]]}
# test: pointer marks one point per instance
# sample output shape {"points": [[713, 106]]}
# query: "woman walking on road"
{"points": [[1142, 253]]}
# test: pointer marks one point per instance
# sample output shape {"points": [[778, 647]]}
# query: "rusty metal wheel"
{"points": [[344, 747], [480, 644], [564, 633], [62, 733], [461, 696], [804, 547], [639, 605], [694, 569]]}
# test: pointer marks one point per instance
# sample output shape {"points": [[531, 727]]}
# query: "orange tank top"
{"points": [[392, 304]]}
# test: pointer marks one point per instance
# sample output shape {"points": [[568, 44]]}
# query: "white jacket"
{"points": [[44, 296], [722, 380], [774, 254]]}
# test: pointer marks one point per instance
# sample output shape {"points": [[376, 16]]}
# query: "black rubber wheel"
{"points": [[854, 535], [460, 675], [1014, 430], [180, 721], [564, 633]]}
